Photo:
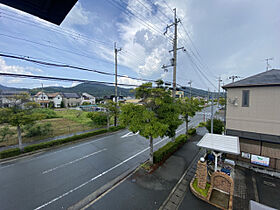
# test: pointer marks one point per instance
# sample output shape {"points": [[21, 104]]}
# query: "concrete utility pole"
{"points": [[190, 83], [233, 77], [116, 78], [219, 87], [212, 110], [174, 50], [267, 64]]}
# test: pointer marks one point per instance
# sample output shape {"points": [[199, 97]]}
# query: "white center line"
{"points": [[96, 177], [71, 162]]}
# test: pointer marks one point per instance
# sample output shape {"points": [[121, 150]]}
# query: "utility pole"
{"points": [[42, 96], [267, 64], [233, 77], [190, 83], [219, 87], [208, 95], [212, 113], [174, 50], [116, 78]]}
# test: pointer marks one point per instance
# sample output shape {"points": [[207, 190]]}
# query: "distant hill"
{"points": [[97, 90]]}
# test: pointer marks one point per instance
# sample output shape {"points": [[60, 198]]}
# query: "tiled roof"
{"points": [[267, 78], [52, 95], [71, 95]]}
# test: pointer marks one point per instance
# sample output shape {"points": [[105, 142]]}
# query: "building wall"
{"points": [[262, 115], [68, 102], [57, 101]]}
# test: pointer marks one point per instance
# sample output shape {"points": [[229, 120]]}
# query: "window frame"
{"points": [[247, 92]]}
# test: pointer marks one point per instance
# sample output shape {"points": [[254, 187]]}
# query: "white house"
{"points": [[56, 98], [88, 98]]}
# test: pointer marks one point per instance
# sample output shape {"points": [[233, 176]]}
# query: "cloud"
{"points": [[5, 68], [77, 16], [129, 81]]}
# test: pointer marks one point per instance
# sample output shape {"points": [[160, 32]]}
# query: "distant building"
{"points": [[7, 98], [253, 114], [71, 99], [88, 98], [56, 98]]}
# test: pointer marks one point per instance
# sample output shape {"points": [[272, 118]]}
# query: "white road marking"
{"points": [[99, 175], [130, 134], [71, 162]]}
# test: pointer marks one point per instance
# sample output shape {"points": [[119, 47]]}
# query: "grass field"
{"points": [[68, 121]]}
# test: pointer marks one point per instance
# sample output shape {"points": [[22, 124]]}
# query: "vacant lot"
{"points": [[67, 121]]}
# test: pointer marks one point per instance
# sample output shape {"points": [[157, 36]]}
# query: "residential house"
{"points": [[7, 98], [55, 98], [71, 99], [42, 99], [87, 98], [253, 114]]}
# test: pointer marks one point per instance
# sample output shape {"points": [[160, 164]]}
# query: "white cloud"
{"points": [[77, 16], [129, 81], [75, 84], [5, 68]]}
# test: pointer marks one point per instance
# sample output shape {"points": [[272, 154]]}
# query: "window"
{"points": [[245, 98]]}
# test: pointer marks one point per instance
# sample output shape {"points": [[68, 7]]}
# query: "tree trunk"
{"points": [[151, 150], [187, 123], [108, 122], [19, 137]]}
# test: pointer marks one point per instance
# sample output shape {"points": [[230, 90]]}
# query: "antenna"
{"points": [[267, 64]]}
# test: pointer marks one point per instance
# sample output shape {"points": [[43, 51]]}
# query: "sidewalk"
{"points": [[149, 191]]}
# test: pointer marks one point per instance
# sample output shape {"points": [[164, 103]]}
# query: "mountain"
{"points": [[98, 90]]}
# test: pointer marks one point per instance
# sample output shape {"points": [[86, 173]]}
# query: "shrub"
{"points": [[10, 153], [98, 118], [203, 192], [218, 126], [38, 129], [165, 151], [201, 124], [49, 113], [191, 131], [5, 132]]}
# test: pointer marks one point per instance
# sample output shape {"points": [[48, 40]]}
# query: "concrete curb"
{"points": [[29, 154], [96, 195]]}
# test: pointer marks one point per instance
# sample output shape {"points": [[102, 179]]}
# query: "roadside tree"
{"points": [[189, 106], [20, 114], [157, 116]]}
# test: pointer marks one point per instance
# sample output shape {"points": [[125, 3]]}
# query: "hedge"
{"points": [[10, 153], [191, 131], [33, 147], [169, 148]]}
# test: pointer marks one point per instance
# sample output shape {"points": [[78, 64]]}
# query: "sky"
{"points": [[221, 38]]}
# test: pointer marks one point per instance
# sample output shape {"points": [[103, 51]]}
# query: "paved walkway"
{"points": [[149, 191]]}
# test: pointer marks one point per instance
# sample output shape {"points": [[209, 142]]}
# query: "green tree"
{"points": [[98, 118], [20, 114], [112, 109], [62, 105], [222, 101], [189, 107], [218, 126], [157, 117]]}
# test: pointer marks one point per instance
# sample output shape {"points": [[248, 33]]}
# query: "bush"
{"points": [[10, 153], [38, 129], [49, 113], [203, 192], [218, 126], [168, 149], [43, 145], [98, 118], [191, 131], [5, 132], [201, 124]]}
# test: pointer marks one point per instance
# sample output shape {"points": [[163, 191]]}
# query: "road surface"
{"points": [[61, 177]]}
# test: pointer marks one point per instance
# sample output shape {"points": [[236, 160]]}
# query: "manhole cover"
{"points": [[269, 184]]}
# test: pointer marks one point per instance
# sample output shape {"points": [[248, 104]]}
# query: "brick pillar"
{"points": [[201, 174]]}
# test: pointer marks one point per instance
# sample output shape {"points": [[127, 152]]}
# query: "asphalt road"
{"points": [[60, 178]]}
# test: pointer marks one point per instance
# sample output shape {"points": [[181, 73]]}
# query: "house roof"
{"points": [[71, 95], [221, 143], [52, 95], [267, 78]]}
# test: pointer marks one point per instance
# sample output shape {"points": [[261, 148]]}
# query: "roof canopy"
{"points": [[53, 11], [221, 143]]}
